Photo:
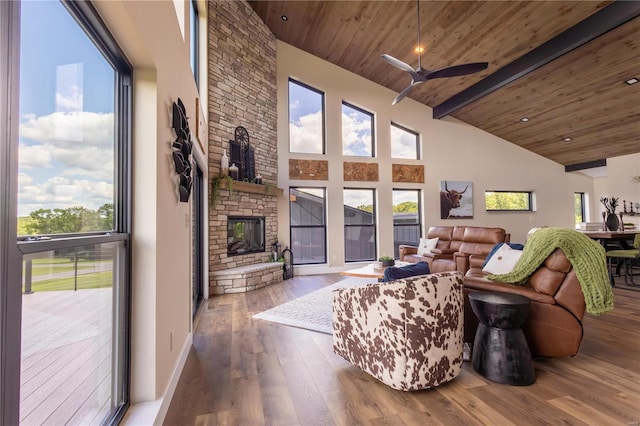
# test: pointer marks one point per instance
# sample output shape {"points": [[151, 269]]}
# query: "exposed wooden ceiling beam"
{"points": [[599, 23]]}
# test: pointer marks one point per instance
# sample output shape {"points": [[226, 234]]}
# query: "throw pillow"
{"points": [[426, 245], [495, 248], [396, 272], [503, 260]]}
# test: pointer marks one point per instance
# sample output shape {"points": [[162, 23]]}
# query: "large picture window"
{"points": [[407, 227], [509, 200], [359, 225], [357, 131], [73, 216], [306, 119], [404, 143], [308, 211]]}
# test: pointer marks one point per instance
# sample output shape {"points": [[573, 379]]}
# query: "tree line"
{"points": [[70, 220]]}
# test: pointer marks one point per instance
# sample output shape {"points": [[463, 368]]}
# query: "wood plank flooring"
{"points": [[243, 371]]}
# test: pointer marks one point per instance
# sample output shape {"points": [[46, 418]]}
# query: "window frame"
{"points": [[529, 200], [195, 40], [419, 224], [405, 129], [374, 225], [89, 21], [324, 115], [373, 127], [323, 226], [583, 209]]}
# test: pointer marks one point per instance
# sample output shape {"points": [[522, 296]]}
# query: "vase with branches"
{"points": [[611, 221]]}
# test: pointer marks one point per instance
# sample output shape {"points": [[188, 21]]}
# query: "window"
{"points": [[308, 210], [404, 143], [578, 198], [306, 119], [406, 218], [357, 131], [359, 225], [509, 200], [73, 144], [195, 29]]}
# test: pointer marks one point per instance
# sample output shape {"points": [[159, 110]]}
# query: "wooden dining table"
{"points": [[621, 237]]}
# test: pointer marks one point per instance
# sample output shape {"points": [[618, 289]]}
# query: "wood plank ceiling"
{"points": [[581, 95]]}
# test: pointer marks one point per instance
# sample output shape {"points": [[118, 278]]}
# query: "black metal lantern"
{"points": [[276, 251], [287, 267]]}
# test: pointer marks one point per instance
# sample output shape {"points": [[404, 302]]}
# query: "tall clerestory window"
{"points": [[359, 225], [357, 131], [308, 212], [306, 119], [405, 143]]}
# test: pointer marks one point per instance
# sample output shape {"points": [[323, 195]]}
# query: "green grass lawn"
{"points": [[96, 280]]}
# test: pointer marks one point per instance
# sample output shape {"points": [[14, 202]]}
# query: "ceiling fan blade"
{"points": [[457, 70], [405, 92], [397, 63]]}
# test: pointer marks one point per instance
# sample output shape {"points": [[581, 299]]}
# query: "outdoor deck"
{"points": [[66, 357]]}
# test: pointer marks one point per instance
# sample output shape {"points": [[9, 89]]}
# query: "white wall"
{"points": [[150, 34], [618, 183], [451, 150]]}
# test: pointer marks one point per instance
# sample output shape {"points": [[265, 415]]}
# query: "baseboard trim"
{"points": [[154, 412]]}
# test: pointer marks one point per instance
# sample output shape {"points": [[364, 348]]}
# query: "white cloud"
{"points": [[82, 142], [77, 148], [305, 136], [72, 102], [33, 156], [62, 192], [403, 144], [356, 135], [70, 129]]}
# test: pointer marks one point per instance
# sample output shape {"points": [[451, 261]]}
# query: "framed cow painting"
{"points": [[456, 199]]}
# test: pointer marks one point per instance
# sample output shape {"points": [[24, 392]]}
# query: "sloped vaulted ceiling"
{"points": [[581, 95]]}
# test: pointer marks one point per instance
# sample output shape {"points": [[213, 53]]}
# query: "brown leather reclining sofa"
{"points": [[554, 325], [457, 246]]}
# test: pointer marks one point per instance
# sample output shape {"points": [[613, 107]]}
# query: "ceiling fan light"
{"points": [[419, 49]]}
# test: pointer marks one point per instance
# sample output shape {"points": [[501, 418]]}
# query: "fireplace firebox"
{"points": [[245, 234]]}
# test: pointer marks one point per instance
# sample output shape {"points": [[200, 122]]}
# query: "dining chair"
{"points": [[627, 257]]}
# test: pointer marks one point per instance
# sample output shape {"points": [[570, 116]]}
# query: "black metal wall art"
{"points": [[182, 147], [242, 154]]}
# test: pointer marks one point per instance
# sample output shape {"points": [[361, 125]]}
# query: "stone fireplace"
{"points": [[242, 92]]}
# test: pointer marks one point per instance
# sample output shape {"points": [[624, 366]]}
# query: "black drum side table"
{"points": [[500, 350]]}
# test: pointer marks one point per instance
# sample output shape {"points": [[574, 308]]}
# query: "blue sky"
{"points": [[66, 113]]}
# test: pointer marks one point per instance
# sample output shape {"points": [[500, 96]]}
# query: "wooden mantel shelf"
{"points": [[252, 188]]}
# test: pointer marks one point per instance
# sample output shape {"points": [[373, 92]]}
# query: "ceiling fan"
{"points": [[420, 75]]}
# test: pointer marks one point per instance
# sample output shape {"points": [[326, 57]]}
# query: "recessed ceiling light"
{"points": [[631, 81], [567, 139], [284, 18], [525, 119]]}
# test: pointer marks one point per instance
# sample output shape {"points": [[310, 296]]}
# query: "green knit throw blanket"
{"points": [[586, 256]]}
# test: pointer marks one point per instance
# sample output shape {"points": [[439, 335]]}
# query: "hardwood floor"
{"points": [[243, 371]]}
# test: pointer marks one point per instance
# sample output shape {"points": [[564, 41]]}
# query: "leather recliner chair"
{"points": [[554, 325]]}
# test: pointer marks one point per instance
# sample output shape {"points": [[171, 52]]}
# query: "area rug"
{"points": [[312, 311]]}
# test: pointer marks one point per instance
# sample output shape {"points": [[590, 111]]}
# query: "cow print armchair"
{"points": [[406, 333]]}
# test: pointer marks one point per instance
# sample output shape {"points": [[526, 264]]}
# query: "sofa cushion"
{"points": [[514, 246], [502, 261], [426, 245], [397, 272]]}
